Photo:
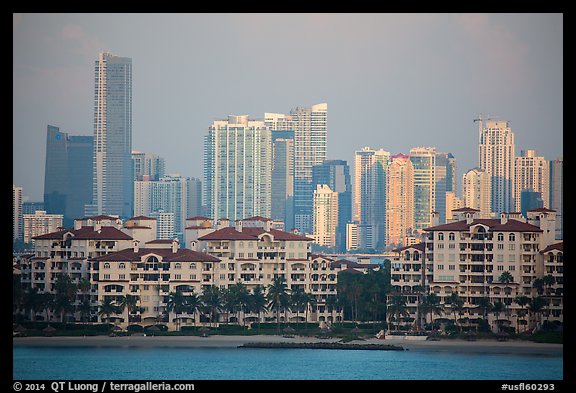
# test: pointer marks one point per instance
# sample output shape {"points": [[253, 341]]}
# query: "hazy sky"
{"points": [[391, 81]]}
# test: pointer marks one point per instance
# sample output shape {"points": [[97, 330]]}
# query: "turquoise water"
{"points": [[96, 363]]}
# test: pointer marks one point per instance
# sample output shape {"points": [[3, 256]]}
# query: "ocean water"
{"points": [[97, 363]]}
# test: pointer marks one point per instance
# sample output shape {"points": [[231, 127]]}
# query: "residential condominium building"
{"points": [[17, 223], [496, 155], [237, 168], [532, 174], [112, 185], [469, 257], [476, 191], [147, 166], [399, 200], [283, 177], [369, 197], [310, 148], [40, 223], [424, 162], [325, 216]]}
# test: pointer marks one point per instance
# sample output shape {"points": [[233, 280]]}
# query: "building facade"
{"points": [[399, 200], [532, 174], [17, 218], [238, 168], [112, 186], [475, 258], [40, 223], [147, 166], [424, 162], [556, 193], [283, 177], [496, 155], [476, 191], [325, 216]]}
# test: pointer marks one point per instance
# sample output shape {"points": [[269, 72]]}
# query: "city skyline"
{"points": [[439, 73]]}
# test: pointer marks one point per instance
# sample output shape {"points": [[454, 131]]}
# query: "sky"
{"points": [[392, 81]]}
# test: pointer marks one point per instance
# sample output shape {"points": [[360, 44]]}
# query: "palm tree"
{"points": [[211, 299], [456, 305], [130, 303], [431, 304], [522, 301], [538, 283], [506, 278], [84, 308], [258, 302], [241, 298], [536, 305], [397, 307], [66, 291], [298, 300], [548, 281], [229, 302], [277, 296], [486, 306], [32, 301], [108, 307], [310, 302], [177, 304], [496, 310]]}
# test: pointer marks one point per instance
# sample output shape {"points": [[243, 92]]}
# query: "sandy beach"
{"points": [[221, 341]]}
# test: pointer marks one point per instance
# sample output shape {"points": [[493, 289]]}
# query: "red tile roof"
{"points": [[88, 232], [556, 246], [417, 246], [230, 233], [181, 255], [511, 225]]}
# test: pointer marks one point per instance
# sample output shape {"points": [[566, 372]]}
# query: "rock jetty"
{"points": [[323, 345]]}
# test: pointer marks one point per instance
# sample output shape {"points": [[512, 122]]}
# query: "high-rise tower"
{"points": [[496, 156], [113, 187]]}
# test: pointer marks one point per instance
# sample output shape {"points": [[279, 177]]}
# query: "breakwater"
{"points": [[322, 345]]}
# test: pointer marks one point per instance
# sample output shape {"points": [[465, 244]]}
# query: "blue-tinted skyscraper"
{"points": [[68, 174], [113, 186], [336, 174], [283, 177]]}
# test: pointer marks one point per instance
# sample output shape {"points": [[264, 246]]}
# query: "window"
{"points": [[106, 265], [451, 267], [193, 266], [500, 237], [440, 267], [440, 236], [177, 265], [511, 247], [192, 277], [106, 277], [121, 277], [451, 236], [511, 237], [122, 266], [500, 268]]}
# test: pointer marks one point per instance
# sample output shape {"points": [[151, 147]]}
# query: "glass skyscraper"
{"points": [[113, 186], [424, 162], [68, 174], [336, 175]]}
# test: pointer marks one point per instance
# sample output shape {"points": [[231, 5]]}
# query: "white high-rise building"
{"points": [[17, 230], [113, 187], [40, 223], [399, 200], [556, 194], [533, 175], [325, 216], [310, 148], [170, 194], [476, 191], [496, 155], [237, 169], [147, 165]]}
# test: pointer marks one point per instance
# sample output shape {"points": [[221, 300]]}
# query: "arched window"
{"points": [[192, 265], [511, 237], [451, 236], [122, 266], [177, 265], [440, 236], [106, 265], [500, 237]]}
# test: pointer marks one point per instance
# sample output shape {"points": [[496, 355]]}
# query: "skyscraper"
{"points": [[325, 216], [496, 156], [399, 200], [283, 177], [556, 190], [310, 142], [17, 223], [336, 175], [445, 182], [476, 191], [532, 173], [369, 205], [68, 174], [424, 162], [237, 169], [113, 187], [147, 164]]}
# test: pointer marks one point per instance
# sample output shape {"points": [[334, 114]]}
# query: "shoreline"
{"points": [[487, 346]]}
